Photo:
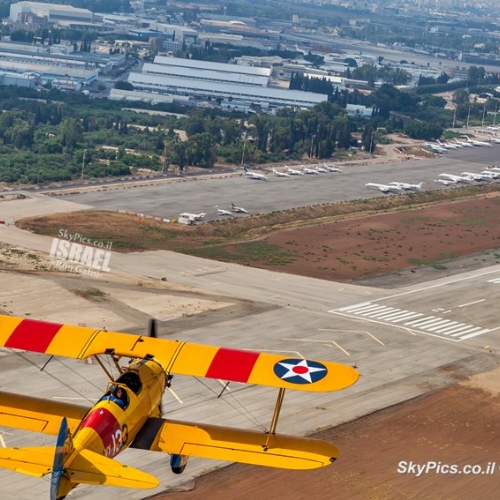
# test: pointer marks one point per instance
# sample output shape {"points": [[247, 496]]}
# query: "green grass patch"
{"points": [[253, 251]]}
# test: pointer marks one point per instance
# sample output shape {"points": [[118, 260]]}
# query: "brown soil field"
{"points": [[358, 248]]}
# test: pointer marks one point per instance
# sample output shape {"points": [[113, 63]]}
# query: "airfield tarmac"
{"points": [[195, 195], [261, 310]]}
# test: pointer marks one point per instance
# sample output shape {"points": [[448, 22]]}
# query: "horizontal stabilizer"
{"points": [[91, 468], [33, 461], [234, 445], [87, 467]]}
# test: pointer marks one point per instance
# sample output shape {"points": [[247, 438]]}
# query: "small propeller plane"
{"points": [[129, 413]]}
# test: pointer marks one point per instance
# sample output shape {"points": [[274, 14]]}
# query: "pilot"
{"points": [[118, 396]]}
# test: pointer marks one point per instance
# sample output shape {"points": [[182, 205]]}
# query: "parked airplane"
{"points": [[454, 178], [494, 139], [280, 174], [473, 176], [322, 170], [307, 170], [490, 174], [464, 144], [291, 171], [385, 188], [444, 181], [448, 145], [436, 148], [193, 217], [332, 169], [406, 186], [221, 211], [477, 143], [254, 175], [88, 438], [238, 210]]}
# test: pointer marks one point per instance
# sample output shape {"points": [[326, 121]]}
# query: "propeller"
{"points": [[153, 328]]}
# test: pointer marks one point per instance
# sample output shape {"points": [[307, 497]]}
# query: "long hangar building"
{"points": [[231, 83]]}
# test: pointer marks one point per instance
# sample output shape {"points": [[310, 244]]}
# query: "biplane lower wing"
{"points": [[177, 357], [87, 467], [37, 414], [234, 445]]}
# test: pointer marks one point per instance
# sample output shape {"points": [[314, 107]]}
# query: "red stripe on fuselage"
{"points": [[31, 335], [107, 427], [232, 364]]}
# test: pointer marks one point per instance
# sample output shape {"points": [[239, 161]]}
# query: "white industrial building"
{"points": [[51, 12], [208, 75], [202, 80]]}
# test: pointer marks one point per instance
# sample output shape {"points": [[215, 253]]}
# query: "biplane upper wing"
{"points": [[37, 414], [177, 357], [234, 445]]}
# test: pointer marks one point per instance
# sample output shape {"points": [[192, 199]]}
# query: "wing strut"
{"points": [[276, 414]]}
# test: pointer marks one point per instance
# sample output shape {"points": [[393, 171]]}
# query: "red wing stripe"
{"points": [[231, 364], [31, 335]]}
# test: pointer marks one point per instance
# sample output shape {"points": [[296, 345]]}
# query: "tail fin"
{"points": [[59, 486]]}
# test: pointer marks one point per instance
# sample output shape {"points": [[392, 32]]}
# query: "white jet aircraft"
{"points": [[291, 171], [321, 170], [254, 175], [385, 188], [407, 186], [490, 174], [496, 140], [473, 176], [454, 179], [277, 173], [238, 210], [464, 144], [193, 217], [221, 211], [448, 145], [332, 169], [477, 143], [309, 170], [436, 148]]}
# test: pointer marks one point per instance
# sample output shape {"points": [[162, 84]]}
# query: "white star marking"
{"points": [[304, 370]]}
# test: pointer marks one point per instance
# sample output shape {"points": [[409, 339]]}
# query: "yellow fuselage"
{"points": [[108, 428]]}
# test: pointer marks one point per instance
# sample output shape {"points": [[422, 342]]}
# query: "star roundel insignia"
{"points": [[300, 371]]}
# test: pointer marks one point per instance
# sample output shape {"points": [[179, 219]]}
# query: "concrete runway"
{"points": [[398, 339]]}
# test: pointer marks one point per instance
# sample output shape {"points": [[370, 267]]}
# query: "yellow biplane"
{"points": [[129, 413]]}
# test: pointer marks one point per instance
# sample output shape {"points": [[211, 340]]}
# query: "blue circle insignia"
{"points": [[300, 371]]}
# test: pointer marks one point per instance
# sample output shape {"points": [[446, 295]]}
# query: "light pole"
{"points": [[83, 162]]}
